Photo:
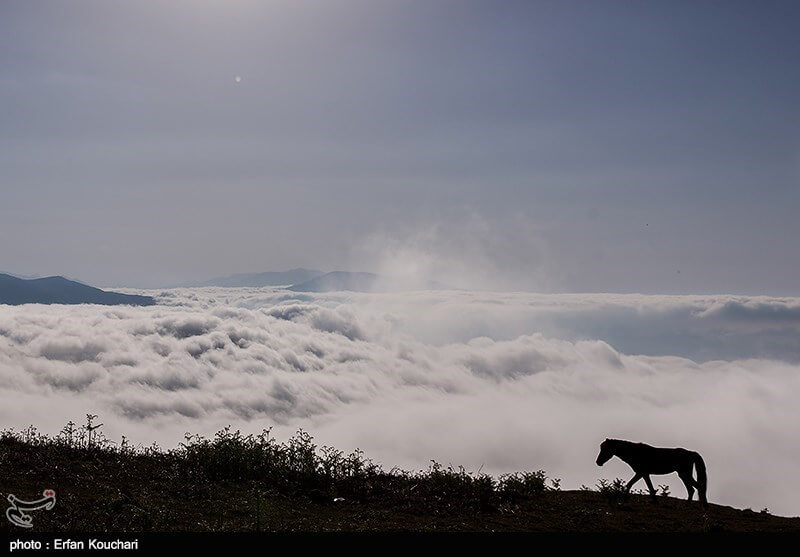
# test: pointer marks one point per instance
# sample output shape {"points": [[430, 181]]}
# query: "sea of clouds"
{"points": [[491, 381]]}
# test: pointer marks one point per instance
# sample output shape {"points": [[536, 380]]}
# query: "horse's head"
{"points": [[606, 452]]}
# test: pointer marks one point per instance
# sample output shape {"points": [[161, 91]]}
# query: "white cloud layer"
{"points": [[505, 381]]}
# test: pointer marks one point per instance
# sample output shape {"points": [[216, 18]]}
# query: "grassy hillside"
{"points": [[254, 483]]}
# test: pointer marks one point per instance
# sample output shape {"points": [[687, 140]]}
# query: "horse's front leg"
{"points": [[634, 479]]}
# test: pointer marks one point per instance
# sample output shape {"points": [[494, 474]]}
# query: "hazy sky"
{"points": [[591, 146]]}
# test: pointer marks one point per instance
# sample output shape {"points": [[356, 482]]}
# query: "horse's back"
{"points": [[662, 460]]}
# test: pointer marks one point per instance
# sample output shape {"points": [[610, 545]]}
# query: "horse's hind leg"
{"points": [[689, 482], [650, 487]]}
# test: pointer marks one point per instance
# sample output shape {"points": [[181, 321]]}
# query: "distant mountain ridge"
{"points": [[254, 280], [339, 280], [58, 290], [311, 280], [363, 282]]}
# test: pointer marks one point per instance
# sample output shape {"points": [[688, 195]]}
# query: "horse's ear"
{"points": [[607, 439]]}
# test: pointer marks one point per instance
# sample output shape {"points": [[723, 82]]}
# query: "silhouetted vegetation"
{"points": [[613, 491], [256, 482]]}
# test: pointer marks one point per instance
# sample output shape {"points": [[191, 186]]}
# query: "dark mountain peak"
{"points": [[60, 290], [53, 279]]}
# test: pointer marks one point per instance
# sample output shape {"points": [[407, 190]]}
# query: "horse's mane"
{"points": [[619, 441], [626, 443]]}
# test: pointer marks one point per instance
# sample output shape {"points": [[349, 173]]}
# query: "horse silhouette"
{"points": [[646, 460]]}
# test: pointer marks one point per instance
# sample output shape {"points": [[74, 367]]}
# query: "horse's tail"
{"points": [[702, 478]]}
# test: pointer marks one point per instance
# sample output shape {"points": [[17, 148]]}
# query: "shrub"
{"points": [[614, 491], [520, 485]]}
